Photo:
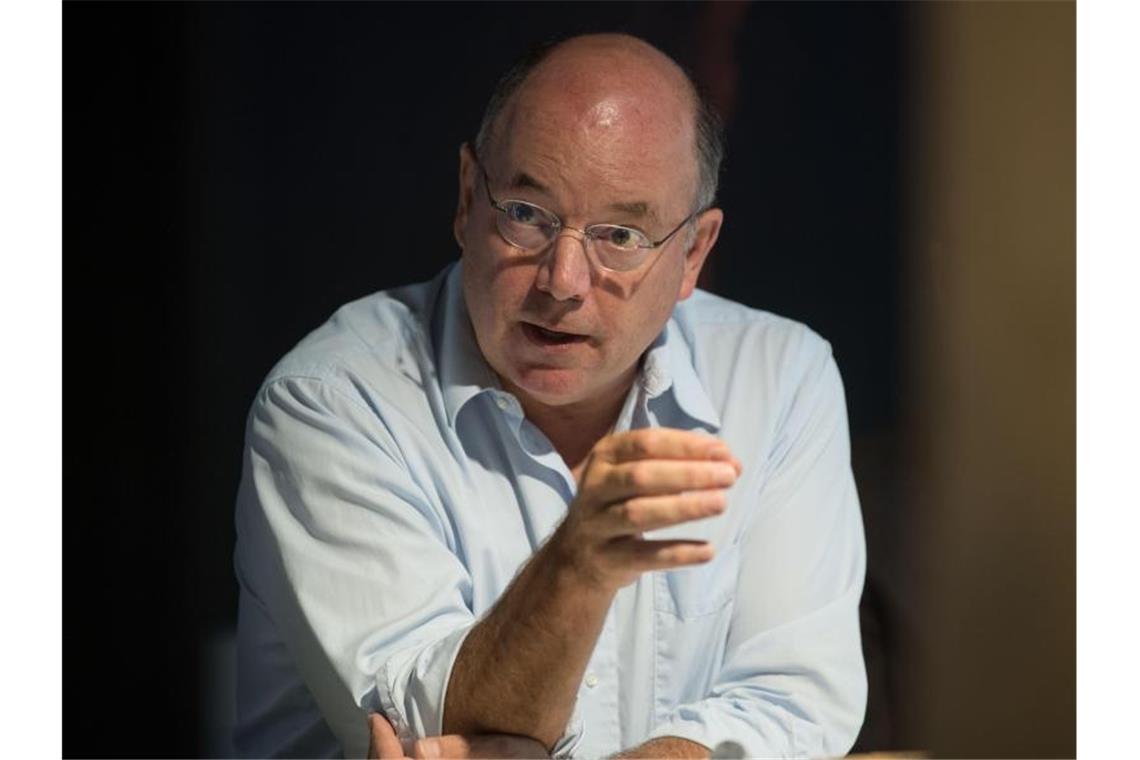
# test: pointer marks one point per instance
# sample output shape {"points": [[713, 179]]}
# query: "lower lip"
{"points": [[545, 340]]}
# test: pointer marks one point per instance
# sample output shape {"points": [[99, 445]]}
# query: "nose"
{"points": [[564, 272]]}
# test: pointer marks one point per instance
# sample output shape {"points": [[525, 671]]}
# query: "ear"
{"points": [[708, 229], [467, 177]]}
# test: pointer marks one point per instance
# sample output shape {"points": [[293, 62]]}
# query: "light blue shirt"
{"points": [[391, 490]]}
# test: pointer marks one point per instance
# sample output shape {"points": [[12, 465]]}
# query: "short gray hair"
{"points": [[709, 129]]}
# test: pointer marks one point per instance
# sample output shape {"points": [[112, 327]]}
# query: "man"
{"points": [[557, 496]]}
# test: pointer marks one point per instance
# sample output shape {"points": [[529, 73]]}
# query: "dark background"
{"points": [[234, 172]]}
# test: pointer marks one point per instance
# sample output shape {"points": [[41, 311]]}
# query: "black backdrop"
{"points": [[234, 172]]}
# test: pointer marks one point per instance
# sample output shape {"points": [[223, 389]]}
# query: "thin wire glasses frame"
{"points": [[617, 247]]}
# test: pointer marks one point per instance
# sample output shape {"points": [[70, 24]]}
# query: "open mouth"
{"points": [[546, 337]]}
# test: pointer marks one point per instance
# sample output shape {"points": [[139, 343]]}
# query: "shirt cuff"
{"points": [[718, 721], [569, 742], [412, 686]]}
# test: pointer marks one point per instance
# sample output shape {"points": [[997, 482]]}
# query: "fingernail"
{"points": [[428, 748]]}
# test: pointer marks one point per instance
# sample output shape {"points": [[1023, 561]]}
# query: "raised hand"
{"points": [[638, 481]]}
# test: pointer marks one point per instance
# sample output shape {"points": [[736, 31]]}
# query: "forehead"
{"points": [[615, 135]]}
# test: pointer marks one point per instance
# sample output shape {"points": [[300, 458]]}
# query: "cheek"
{"points": [[650, 306], [494, 293], [476, 289]]}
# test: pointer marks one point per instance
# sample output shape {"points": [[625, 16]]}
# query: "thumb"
{"points": [[382, 740]]}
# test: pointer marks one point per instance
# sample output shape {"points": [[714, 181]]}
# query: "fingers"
{"points": [[654, 461], [479, 746], [647, 513], [383, 742], [654, 477], [664, 443], [449, 746], [639, 481], [643, 556]]}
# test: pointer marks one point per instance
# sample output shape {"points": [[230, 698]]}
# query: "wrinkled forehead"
{"points": [[589, 121]]}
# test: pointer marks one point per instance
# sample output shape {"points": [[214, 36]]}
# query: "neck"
{"points": [[574, 428]]}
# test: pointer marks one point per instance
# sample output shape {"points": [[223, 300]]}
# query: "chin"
{"points": [[551, 387]]}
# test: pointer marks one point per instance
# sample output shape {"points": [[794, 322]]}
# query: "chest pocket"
{"points": [[699, 591]]}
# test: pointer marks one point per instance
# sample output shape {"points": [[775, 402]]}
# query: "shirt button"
{"points": [[502, 402], [591, 681]]}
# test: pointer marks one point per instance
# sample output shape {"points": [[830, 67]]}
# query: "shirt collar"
{"points": [[464, 373], [668, 366]]}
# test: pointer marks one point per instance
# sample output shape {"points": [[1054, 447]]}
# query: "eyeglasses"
{"points": [[531, 227]]}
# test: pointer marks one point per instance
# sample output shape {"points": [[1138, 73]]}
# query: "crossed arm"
{"points": [[519, 669], [558, 601], [383, 744]]}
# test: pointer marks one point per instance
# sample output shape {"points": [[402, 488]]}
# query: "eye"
{"points": [[622, 238], [522, 213]]}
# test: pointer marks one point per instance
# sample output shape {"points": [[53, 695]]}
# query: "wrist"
{"points": [[573, 565]]}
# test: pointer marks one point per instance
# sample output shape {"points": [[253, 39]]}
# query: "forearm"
{"points": [[666, 747], [518, 669]]}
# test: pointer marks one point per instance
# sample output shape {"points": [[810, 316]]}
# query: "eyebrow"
{"points": [[522, 180], [639, 209]]}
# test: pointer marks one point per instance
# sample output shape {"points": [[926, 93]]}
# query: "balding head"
{"points": [[570, 219], [610, 84]]}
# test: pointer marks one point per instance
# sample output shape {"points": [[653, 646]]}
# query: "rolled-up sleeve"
{"points": [[793, 683], [339, 543]]}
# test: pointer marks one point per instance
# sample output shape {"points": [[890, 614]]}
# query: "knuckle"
{"points": [[638, 477], [642, 446], [645, 440], [708, 475], [595, 472], [638, 443], [611, 479], [605, 447], [635, 514], [696, 477], [597, 478], [696, 507]]}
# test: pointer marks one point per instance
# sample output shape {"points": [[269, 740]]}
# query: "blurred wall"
{"points": [[990, 294]]}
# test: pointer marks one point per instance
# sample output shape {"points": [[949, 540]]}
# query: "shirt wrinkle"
{"points": [[391, 375]]}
